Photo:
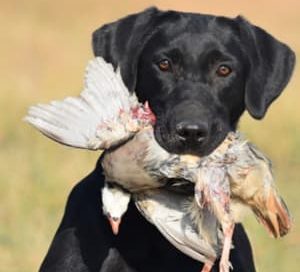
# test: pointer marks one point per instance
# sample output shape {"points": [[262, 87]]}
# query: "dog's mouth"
{"points": [[174, 144]]}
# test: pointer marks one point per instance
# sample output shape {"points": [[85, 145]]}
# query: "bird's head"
{"points": [[114, 204]]}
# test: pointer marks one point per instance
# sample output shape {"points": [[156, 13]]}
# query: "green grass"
{"points": [[46, 47]]}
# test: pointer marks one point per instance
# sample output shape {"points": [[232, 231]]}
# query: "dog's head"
{"points": [[198, 72]]}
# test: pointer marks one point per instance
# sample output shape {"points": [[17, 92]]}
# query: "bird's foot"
{"points": [[225, 265], [201, 194], [224, 262], [200, 198], [207, 266]]}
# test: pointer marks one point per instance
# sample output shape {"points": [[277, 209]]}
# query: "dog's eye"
{"points": [[224, 70], [164, 65]]}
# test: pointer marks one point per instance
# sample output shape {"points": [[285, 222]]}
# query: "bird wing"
{"points": [[80, 121], [166, 210]]}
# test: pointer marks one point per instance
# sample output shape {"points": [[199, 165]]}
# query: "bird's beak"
{"points": [[115, 224]]}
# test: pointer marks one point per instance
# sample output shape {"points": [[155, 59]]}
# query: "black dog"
{"points": [[199, 73]]}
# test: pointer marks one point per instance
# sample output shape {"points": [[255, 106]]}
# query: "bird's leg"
{"points": [[228, 232], [208, 266], [216, 192], [212, 189], [221, 208], [201, 194], [220, 205]]}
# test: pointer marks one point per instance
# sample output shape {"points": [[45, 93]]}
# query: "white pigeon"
{"points": [[104, 115]]}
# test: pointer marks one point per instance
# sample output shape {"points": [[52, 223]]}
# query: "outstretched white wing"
{"points": [[81, 121], [166, 210]]}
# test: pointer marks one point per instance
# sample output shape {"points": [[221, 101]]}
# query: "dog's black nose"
{"points": [[192, 131]]}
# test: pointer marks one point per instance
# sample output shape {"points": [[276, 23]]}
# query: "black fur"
{"points": [[195, 109]]}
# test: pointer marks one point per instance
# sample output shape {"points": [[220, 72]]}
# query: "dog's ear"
{"points": [[271, 64], [121, 42]]}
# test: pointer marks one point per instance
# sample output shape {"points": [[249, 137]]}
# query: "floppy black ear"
{"points": [[271, 64], [121, 42]]}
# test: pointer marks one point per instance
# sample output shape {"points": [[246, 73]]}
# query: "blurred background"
{"points": [[45, 47]]}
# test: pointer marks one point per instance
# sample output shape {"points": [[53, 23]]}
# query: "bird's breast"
{"points": [[129, 165]]}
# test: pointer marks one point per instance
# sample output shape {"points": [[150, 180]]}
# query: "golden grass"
{"points": [[45, 48]]}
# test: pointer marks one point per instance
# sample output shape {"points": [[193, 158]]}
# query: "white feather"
{"points": [[114, 201], [166, 210], [76, 121]]}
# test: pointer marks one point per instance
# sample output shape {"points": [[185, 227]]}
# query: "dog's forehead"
{"points": [[194, 32]]}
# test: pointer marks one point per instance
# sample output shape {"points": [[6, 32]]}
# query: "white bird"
{"points": [[106, 115]]}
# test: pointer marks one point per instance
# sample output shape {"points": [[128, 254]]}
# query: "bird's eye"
{"points": [[223, 70], [164, 65]]}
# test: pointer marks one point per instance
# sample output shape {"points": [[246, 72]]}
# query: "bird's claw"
{"points": [[200, 198], [225, 266]]}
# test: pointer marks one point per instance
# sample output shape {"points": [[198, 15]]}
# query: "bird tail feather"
{"points": [[276, 218]]}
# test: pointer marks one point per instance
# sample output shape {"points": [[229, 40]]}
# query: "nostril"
{"points": [[192, 131], [181, 131], [201, 139]]}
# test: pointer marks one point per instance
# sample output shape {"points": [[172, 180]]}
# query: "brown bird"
{"points": [[105, 115], [237, 170]]}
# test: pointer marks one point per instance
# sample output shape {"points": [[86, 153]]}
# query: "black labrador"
{"points": [[199, 74]]}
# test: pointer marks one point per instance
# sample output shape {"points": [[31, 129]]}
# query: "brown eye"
{"points": [[164, 65], [223, 71]]}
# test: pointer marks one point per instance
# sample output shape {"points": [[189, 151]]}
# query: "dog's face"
{"points": [[194, 82], [198, 72]]}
